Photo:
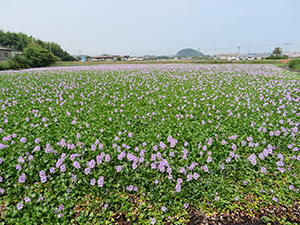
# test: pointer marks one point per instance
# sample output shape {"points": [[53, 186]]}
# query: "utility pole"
{"points": [[286, 46], [239, 48]]}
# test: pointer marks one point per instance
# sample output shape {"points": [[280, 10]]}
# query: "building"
{"points": [[16, 52], [110, 57], [228, 56], [5, 53], [293, 55]]}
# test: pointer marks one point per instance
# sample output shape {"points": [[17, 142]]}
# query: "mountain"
{"points": [[19, 41], [189, 52]]}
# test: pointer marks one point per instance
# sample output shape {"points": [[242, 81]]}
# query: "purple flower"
{"points": [[73, 178], [252, 159], [76, 165], [61, 207], [52, 170], [43, 179], [22, 178], [21, 160], [41, 199], [280, 163], [93, 182], [119, 168], [101, 181], [164, 209], [62, 168], [26, 199], [87, 171], [275, 199], [153, 221], [19, 206], [23, 140], [18, 167], [196, 176], [186, 205], [60, 215], [42, 173], [263, 169], [107, 158], [93, 148]]}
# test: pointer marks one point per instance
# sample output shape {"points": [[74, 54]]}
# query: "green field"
{"points": [[151, 144]]}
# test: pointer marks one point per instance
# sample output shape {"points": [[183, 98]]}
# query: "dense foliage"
{"points": [[150, 142], [33, 56], [277, 57], [19, 41], [295, 64]]}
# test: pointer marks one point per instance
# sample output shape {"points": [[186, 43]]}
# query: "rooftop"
{"points": [[5, 49]]}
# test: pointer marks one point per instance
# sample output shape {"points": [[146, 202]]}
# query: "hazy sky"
{"points": [[156, 26]]}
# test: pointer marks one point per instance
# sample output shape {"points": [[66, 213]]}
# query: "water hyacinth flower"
{"points": [[164, 209], [22, 178], [119, 169], [153, 221], [23, 140], [252, 159], [101, 181], [263, 169], [87, 171], [26, 200], [76, 165], [19, 206], [93, 182]]}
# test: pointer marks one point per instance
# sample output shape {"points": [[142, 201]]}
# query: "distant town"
{"points": [[190, 54]]}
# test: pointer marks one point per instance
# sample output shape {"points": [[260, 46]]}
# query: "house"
{"points": [[5, 53], [229, 56], [16, 52], [110, 57]]}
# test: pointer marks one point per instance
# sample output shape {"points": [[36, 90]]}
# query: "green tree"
{"points": [[19, 41], [277, 52], [37, 56]]}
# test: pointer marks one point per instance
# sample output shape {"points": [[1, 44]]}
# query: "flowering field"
{"points": [[148, 143]]}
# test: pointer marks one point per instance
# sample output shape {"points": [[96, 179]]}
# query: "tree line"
{"points": [[33, 56], [19, 41]]}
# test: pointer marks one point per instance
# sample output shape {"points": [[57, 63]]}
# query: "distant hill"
{"points": [[19, 41], [189, 52]]}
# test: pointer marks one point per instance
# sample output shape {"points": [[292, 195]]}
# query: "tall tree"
{"points": [[277, 52]]}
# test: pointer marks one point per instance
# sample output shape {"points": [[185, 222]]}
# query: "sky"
{"points": [[159, 27]]}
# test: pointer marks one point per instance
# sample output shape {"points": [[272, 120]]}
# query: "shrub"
{"points": [[37, 56], [277, 57], [295, 63]]}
